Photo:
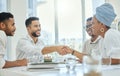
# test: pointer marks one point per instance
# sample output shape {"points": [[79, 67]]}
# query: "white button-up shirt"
{"points": [[111, 44], [3, 40], [26, 47]]}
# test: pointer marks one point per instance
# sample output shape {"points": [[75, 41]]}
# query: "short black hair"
{"points": [[89, 19], [29, 20], [5, 16]]}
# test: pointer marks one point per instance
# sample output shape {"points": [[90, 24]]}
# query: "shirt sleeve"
{"points": [[86, 49], [112, 44], [2, 61], [2, 52], [2, 48]]}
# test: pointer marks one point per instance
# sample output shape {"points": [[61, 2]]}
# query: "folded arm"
{"points": [[16, 63]]}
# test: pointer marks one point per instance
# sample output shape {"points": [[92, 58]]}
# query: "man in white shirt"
{"points": [[31, 45], [7, 28], [90, 44], [93, 42]]}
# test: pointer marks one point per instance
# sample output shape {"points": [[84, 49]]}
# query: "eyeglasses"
{"points": [[88, 26]]}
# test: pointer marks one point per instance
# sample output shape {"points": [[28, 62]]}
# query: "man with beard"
{"points": [[31, 45], [94, 41], [7, 28], [90, 44]]}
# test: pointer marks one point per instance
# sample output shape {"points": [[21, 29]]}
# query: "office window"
{"points": [[3, 5], [3, 8], [61, 21], [32, 4]]}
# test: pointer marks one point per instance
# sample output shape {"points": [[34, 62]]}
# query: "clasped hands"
{"points": [[63, 50]]}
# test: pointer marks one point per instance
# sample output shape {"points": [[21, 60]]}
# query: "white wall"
{"points": [[116, 5], [97, 3], [19, 9]]}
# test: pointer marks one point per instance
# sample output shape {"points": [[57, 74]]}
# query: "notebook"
{"points": [[46, 65]]}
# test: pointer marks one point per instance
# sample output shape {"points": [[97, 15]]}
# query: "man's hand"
{"points": [[63, 50], [22, 62]]}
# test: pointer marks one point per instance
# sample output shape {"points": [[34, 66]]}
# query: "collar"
{"points": [[30, 38], [96, 41]]}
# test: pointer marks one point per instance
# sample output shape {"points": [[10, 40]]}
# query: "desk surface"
{"points": [[22, 71]]}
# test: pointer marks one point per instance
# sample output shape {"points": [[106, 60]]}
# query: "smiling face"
{"points": [[34, 28], [8, 26], [96, 26], [88, 28]]}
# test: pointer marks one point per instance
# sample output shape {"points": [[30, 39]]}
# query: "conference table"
{"points": [[111, 70]]}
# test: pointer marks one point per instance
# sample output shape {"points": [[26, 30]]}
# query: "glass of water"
{"points": [[70, 62], [35, 58]]}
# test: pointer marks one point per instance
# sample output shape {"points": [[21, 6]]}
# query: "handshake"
{"points": [[63, 50]]}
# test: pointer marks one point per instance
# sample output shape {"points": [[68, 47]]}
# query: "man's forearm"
{"points": [[78, 54], [48, 49], [10, 64], [22, 62], [115, 61], [111, 61]]}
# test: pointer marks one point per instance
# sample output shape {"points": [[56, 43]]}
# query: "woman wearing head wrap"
{"points": [[101, 23]]}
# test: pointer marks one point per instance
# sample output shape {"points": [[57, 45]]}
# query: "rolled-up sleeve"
{"points": [[2, 62], [2, 52]]}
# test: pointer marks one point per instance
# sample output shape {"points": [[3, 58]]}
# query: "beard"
{"points": [[9, 33], [34, 34]]}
